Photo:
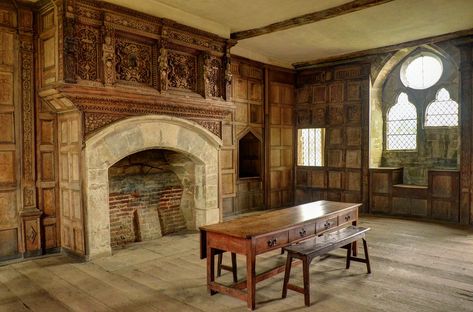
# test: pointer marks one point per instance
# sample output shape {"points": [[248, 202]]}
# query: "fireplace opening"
{"points": [[151, 194]]}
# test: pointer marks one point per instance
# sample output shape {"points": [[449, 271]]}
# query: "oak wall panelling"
{"points": [[11, 227], [47, 185], [281, 142], [466, 161], [337, 99], [70, 145], [11, 242], [248, 98]]}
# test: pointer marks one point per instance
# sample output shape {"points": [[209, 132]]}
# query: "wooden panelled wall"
{"points": [[336, 99], [264, 102], [281, 145], [52, 99], [20, 232]]}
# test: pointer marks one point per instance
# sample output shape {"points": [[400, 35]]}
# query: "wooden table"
{"points": [[257, 234]]}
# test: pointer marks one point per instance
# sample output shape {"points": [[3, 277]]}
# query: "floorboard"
{"points": [[417, 266]]}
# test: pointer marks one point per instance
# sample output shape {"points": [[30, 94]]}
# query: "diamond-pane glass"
{"points": [[443, 112], [310, 147], [402, 125]]}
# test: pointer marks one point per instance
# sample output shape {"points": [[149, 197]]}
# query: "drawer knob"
{"points": [[327, 225], [272, 242], [347, 218], [302, 232]]}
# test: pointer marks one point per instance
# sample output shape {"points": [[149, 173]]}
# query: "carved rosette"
{"points": [[108, 49], [182, 71], [87, 62], [134, 61]]}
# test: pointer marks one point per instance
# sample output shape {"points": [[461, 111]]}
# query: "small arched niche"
{"points": [[249, 159]]}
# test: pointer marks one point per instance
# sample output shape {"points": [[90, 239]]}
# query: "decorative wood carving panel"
{"points": [[88, 53], [182, 71], [134, 61]]}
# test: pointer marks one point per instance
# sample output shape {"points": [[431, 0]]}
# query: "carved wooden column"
{"points": [[108, 56], [466, 160], [30, 214]]}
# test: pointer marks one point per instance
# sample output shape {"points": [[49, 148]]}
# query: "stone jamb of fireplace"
{"points": [[136, 134]]}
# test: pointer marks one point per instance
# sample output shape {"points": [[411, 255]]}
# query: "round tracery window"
{"points": [[421, 71]]}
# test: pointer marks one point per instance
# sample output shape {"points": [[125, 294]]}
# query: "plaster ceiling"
{"points": [[386, 24]]}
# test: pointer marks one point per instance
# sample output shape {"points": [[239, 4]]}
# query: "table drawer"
{"points": [[347, 217], [301, 232], [326, 224], [271, 241]]}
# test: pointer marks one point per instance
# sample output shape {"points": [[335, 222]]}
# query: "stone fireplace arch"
{"points": [[136, 134]]}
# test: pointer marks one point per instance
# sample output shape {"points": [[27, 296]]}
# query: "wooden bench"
{"points": [[308, 250]]}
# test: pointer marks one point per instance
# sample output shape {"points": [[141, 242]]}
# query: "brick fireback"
{"points": [[145, 196]]}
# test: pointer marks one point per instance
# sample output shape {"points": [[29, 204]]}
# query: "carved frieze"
{"points": [[87, 68], [183, 37], [87, 12], [313, 78], [182, 71], [95, 121], [213, 126], [133, 61], [131, 22]]}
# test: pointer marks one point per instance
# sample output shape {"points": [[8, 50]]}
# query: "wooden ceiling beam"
{"points": [[309, 18], [462, 36]]}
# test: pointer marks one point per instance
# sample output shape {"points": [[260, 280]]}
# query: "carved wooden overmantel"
{"points": [[98, 63], [115, 62]]}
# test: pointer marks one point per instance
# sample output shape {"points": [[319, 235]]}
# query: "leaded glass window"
{"points": [[421, 71], [402, 125], [310, 147], [442, 112]]}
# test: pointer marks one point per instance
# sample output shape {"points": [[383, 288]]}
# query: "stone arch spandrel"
{"points": [[136, 134]]}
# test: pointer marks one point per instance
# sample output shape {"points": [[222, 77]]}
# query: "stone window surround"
{"points": [[136, 134]]}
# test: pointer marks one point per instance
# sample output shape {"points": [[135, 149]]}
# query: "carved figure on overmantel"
{"points": [[108, 57], [163, 68]]}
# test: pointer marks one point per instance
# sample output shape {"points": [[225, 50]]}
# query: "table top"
{"points": [[271, 221]]}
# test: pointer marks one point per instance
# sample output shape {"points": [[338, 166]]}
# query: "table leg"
{"points": [[250, 277], [354, 244], [210, 269]]}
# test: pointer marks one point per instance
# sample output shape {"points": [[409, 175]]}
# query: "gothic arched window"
{"points": [[442, 112], [401, 127]]}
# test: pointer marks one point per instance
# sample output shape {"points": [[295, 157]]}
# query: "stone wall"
{"points": [[145, 197]]}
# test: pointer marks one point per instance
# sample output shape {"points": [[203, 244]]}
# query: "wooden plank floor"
{"points": [[417, 266]]}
